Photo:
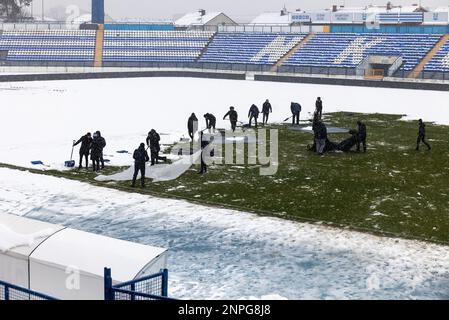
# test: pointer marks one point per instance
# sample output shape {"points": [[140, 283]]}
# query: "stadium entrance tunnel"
{"points": [[379, 66]]}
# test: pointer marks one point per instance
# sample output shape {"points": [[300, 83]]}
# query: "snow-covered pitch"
{"points": [[215, 253], [41, 119]]}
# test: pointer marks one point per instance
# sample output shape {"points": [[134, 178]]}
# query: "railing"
{"points": [[153, 287], [34, 26], [37, 67], [12, 292]]}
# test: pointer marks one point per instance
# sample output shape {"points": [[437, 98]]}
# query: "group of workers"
{"points": [[95, 145]]}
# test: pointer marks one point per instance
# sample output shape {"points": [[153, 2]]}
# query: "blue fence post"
{"points": [[108, 293], [165, 283], [6, 293]]}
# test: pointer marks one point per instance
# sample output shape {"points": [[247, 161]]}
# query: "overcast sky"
{"points": [[237, 9]]}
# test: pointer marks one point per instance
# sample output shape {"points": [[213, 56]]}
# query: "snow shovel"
{"points": [[288, 119], [70, 163]]}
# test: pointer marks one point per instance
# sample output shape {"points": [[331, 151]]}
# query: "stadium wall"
{"points": [[122, 74], [137, 26], [420, 29], [392, 84]]}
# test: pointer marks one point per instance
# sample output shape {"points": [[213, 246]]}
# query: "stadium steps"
{"points": [[414, 74], [292, 51], [204, 50], [99, 43]]}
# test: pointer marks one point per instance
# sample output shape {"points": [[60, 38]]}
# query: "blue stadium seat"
{"points": [[154, 46], [49, 45], [440, 62], [349, 49], [250, 47]]}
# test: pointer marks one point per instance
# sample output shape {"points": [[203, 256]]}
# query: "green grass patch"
{"points": [[392, 189]]}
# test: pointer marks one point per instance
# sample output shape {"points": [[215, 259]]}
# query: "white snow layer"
{"points": [[161, 172], [41, 119], [10, 239], [226, 254]]}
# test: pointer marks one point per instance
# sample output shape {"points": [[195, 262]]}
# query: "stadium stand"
{"points": [[154, 46], [250, 48], [440, 62], [49, 45], [348, 50], [320, 52]]}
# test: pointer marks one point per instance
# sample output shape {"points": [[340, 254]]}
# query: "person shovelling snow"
{"points": [[233, 118], [86, 142], [253, 114], [140, 159], [266, 110], [153, 142]]}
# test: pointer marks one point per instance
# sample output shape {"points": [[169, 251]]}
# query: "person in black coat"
{"points": [[192, 125], [361, 128], [96, 153], [422, 136], [153, 142], [211, 121], [204, 144], [347, 144], [253, 114], [320, 134], [140, 159], [266, 110], [319, 107], [296, 111], [233, 118], [85, 141]]}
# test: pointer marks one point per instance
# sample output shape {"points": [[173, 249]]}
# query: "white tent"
{"points": [[67, 263]]}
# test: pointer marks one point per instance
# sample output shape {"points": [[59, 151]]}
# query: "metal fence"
{"points": [[35, 26], [38, 67], [153, 287], [12, 292]]}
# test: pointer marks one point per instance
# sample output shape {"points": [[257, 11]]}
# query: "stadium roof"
{"points": [[441, 9], [197, 18], [272, 18]]}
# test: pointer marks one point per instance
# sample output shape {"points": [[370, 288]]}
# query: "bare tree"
{"points": [[13, 10]]}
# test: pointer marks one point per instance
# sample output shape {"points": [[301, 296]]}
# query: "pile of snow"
{"points": [[10, 239]]}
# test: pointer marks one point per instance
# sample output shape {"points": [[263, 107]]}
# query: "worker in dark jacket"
{"points": [[347, 144], [422, 136], [233, 118], [192, 125], [96, 153], [140, 159], [361, 137], [84, 149], [211, 121], [320, 133], [315, 120], [296, 110], [205, 142], [253, 114], [319, 107], [266, 110], [153, 142]]}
